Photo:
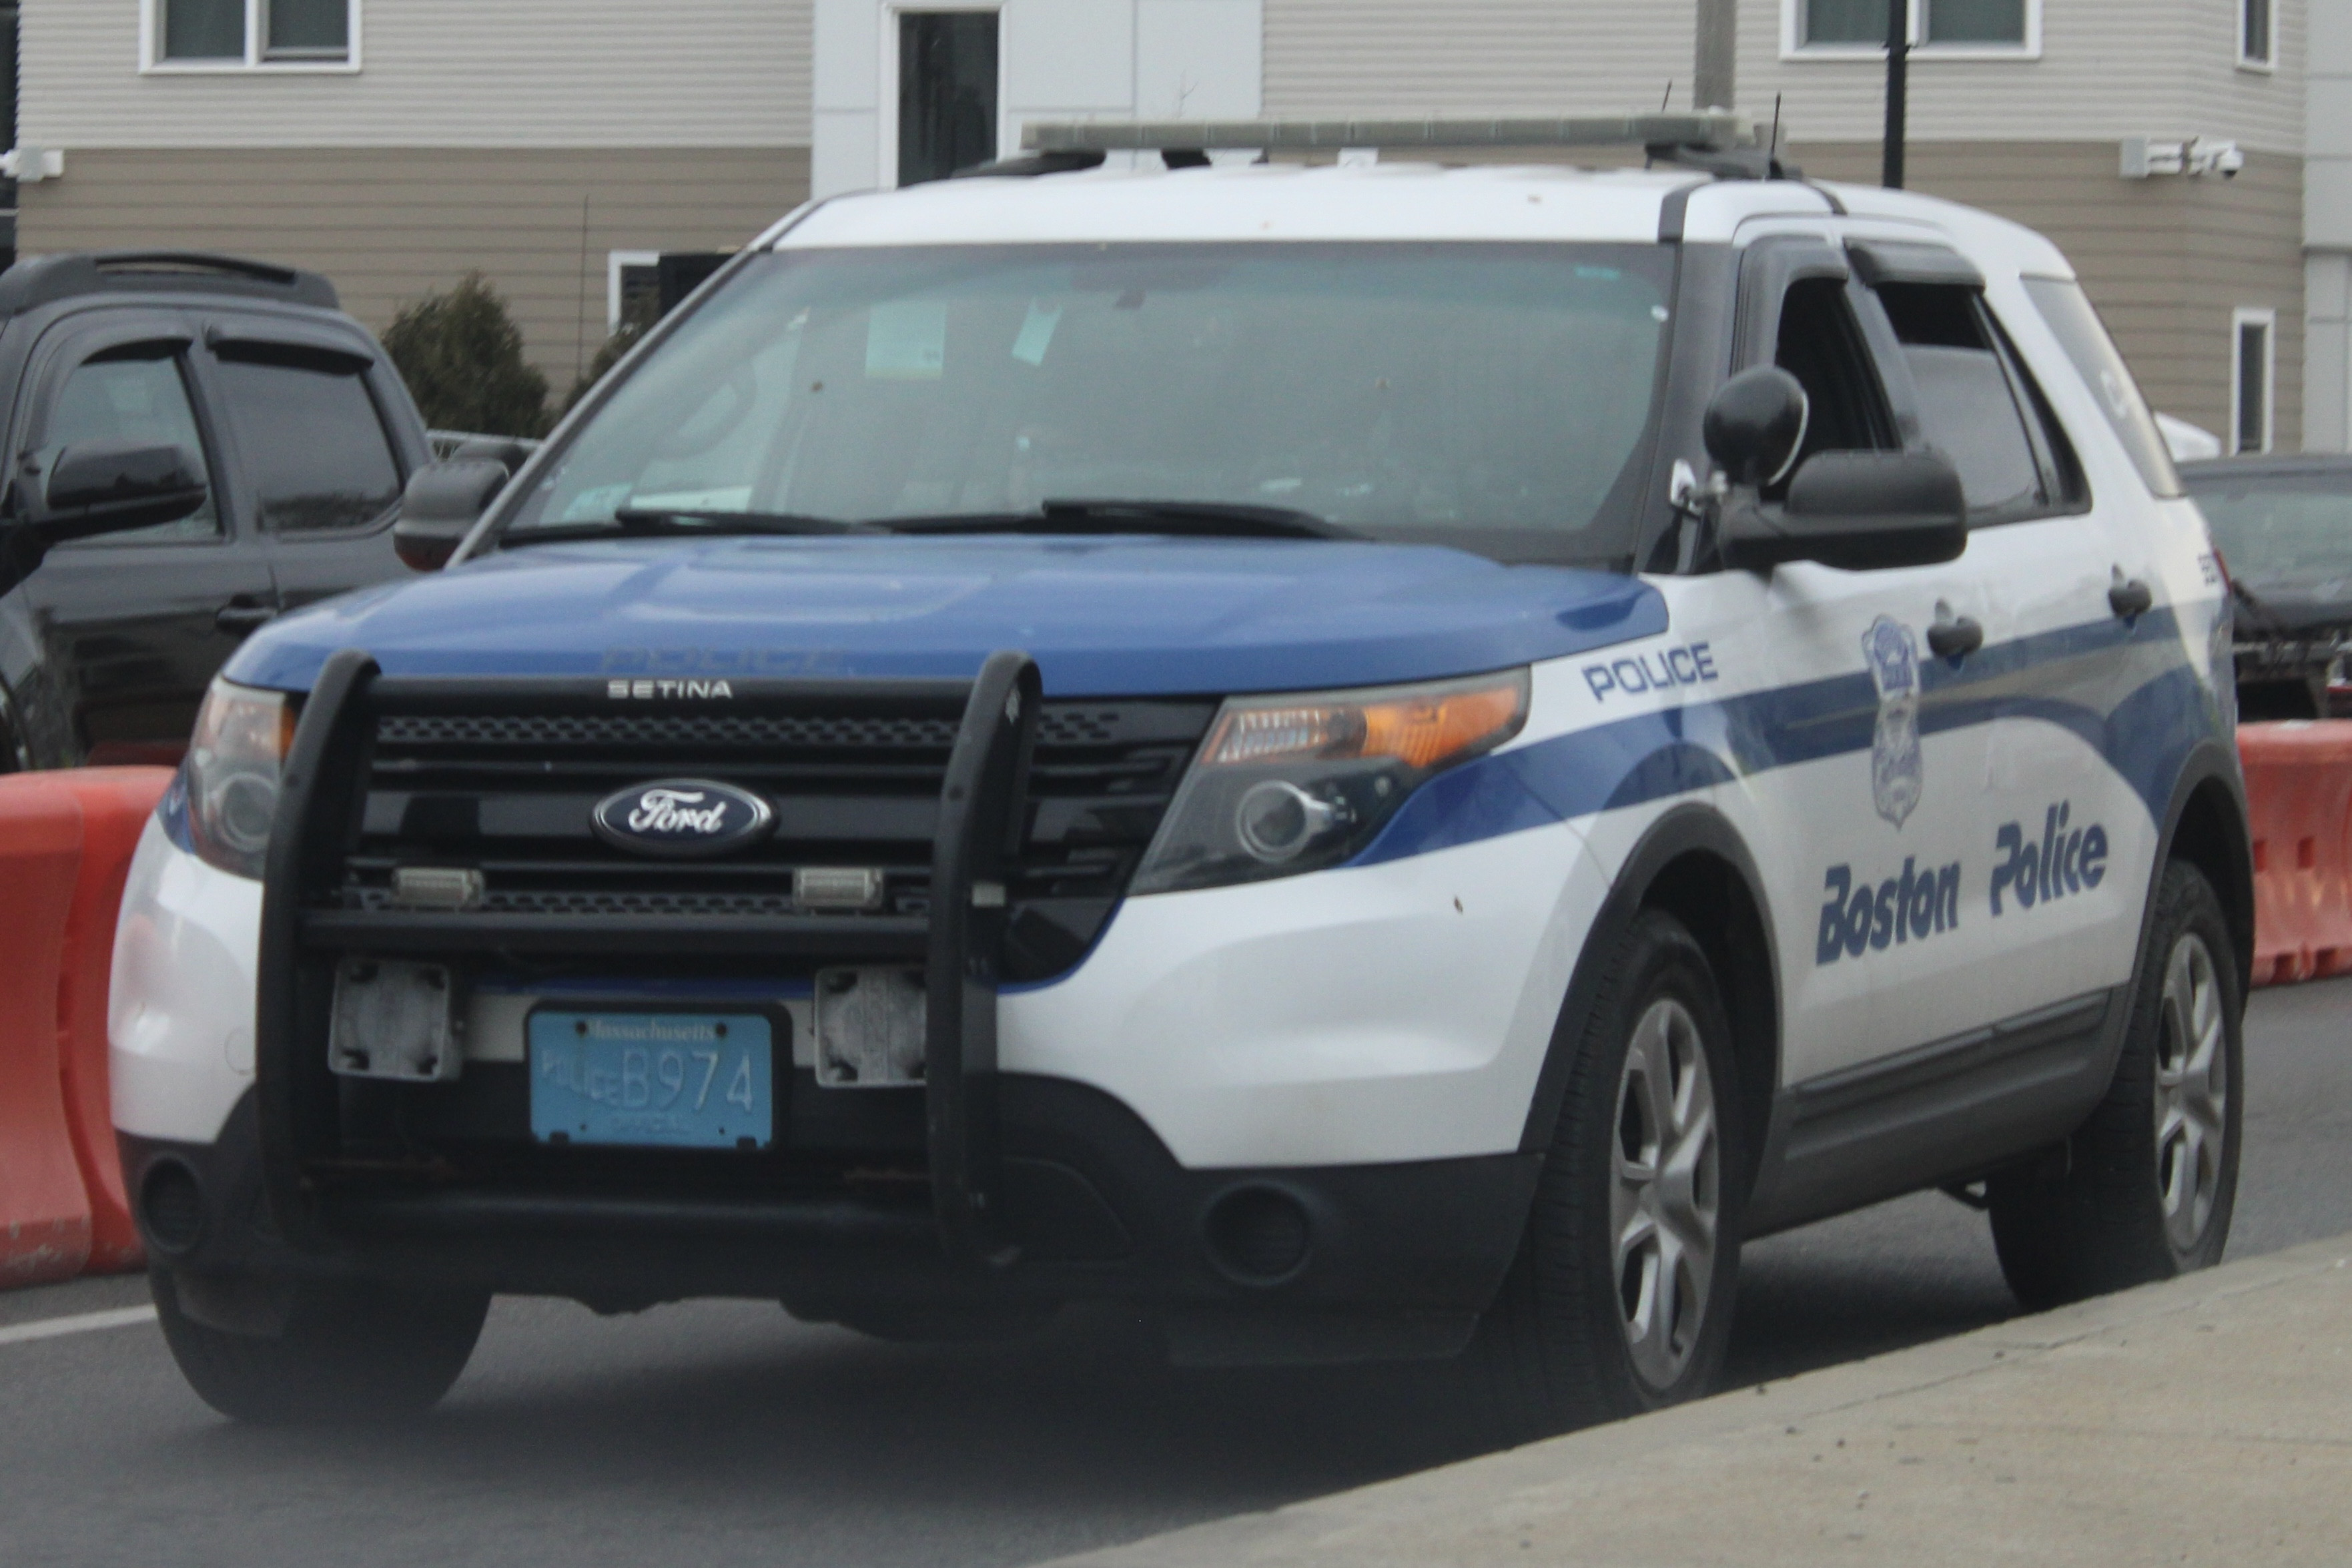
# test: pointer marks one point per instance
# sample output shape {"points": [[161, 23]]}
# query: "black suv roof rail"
{"points": [[44, 279]]}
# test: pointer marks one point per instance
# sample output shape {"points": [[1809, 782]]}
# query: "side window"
{"points": [[2080, 332], [1976, 405], [313, 445], [133, 394], [1821, 345]]}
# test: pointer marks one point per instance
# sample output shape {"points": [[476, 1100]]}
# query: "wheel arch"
{"points": [[1690, 864], [2206, 824]]}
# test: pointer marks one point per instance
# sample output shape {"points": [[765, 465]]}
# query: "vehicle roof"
{"points": [[44, 279], [1391, 201], [2221, 470]]}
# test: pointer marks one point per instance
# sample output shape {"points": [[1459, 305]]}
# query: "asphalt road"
{"points": [[722, 1433]]}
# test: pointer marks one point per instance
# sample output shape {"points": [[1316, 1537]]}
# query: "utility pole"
{"points": [[1899, 75], [1717, 56]]}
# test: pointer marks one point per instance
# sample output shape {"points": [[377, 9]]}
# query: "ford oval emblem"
{"points": [[682, 818]]}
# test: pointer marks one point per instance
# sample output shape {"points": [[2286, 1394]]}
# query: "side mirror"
{"points": [[108, 486], [1859, 510], [440, 507], [1755, 425]]}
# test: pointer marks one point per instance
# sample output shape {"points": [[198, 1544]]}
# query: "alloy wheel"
{"points": [[2192, 1092], [1664, 1202]]}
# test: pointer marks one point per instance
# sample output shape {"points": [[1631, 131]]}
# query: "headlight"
{"points": [[233, 765], [1285, 785]]}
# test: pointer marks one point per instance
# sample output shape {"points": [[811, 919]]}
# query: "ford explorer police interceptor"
{"points": [[1381, 762]]}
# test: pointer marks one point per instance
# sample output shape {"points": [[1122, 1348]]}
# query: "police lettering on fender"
{"points": [[1662, 671]]}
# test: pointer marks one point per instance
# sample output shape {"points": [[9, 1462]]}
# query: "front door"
{"points": [[135, 625]]}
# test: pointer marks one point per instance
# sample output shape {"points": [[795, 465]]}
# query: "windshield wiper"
{"points": [[1181, 519], [647, 521]]}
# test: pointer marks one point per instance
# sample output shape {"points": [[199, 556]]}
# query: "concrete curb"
{"points": [[2066, 1437]]}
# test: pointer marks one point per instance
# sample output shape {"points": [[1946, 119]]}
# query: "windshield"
{"points": [[2282, 527], [1473, 394]]}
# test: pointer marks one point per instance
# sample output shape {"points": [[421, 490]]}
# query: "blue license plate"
{"points": [[674, 1080]]}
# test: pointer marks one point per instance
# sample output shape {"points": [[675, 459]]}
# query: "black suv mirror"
{"points": [[106, 487], [1754, 424], [1855, 510], [440, 507]]}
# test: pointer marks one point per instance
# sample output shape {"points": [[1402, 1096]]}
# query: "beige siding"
{"points": [[2165, 260], [2109, 68], [391, 224], [442, 73]]}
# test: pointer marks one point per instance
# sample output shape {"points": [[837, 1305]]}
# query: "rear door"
{"points": [[135, 625], [314, 440]]}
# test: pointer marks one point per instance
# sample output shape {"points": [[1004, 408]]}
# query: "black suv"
{"points": [[197, 443]]}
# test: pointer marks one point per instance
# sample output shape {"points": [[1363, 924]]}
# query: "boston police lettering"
{"points": [[2062, 862], [1915, 906]]}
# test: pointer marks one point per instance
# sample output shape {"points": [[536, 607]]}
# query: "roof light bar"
{"points": [[1712, 130]]}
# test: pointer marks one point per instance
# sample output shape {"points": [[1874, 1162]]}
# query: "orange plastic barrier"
{"points": [[43, 1207], [115, 805], [2299, 797]]}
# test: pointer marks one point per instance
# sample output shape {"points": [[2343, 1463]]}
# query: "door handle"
{"points": [[1954, 637], [2129, 597], [241, 620]]}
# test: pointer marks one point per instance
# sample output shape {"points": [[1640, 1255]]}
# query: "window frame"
{"points": [[886, 128], [1794, 47], [616, 266], [2266, 62], [2267, 318], [111, 340], [258, 58]]}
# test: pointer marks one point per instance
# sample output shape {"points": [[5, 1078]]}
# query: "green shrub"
{"points": [[461, 354]]}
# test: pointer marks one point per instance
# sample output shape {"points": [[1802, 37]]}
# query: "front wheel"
{"points": [[1620, 1300], [2151, 1179], [341, 1354]]}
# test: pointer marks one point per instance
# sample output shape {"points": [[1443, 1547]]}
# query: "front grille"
{"points": [[509, 792]]}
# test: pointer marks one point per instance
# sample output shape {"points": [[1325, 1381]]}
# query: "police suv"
{"points": [[1384, 762]]}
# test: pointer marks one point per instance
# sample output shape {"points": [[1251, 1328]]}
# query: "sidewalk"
{"points": [[2207, 1420]]}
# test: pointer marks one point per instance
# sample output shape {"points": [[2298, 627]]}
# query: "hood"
{"points": [[1103, 617]]}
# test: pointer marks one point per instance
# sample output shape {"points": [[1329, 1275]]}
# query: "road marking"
{"points": [[80, 1323]]}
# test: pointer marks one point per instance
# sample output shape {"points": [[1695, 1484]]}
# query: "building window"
{"points": [[1857, 28], [2253, 376], [947, 92], [2255, 33], [236, 35]]}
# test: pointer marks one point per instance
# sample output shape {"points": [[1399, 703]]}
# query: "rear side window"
{"points": [[135, 394], [2080, 333], [314, 447], [1977, 406]]}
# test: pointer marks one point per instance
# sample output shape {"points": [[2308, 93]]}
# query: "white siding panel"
{"points": [[1469, 57], [517, 73], [2108, 69]]}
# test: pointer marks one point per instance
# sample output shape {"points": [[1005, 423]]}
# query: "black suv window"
{"points": [[313, 446], [1977, 405], [137, 393], [1821, 345]]}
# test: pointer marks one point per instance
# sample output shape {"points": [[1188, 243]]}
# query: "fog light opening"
{"points": [[1258, 1236], [172, 1207]]}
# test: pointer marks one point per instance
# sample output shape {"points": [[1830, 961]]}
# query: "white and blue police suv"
{"points": [[1381, 762]]}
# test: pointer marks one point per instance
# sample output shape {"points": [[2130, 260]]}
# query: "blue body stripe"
{"points": [[2125, 691]]}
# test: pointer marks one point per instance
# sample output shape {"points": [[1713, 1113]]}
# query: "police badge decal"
{"points": [[1897, 773]]}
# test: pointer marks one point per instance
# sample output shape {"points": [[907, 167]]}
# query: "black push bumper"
{"points": [[990, 1189]]}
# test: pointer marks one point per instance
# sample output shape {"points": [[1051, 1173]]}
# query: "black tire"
{"points": [[348, 1354], [2127, 1205], [1566, 1341]]}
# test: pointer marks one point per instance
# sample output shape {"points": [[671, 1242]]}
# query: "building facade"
{"points": [[2178, 149]]}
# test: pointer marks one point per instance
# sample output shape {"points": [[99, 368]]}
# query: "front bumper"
{"points": [[1291, 1113], [1281, 1265]]}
